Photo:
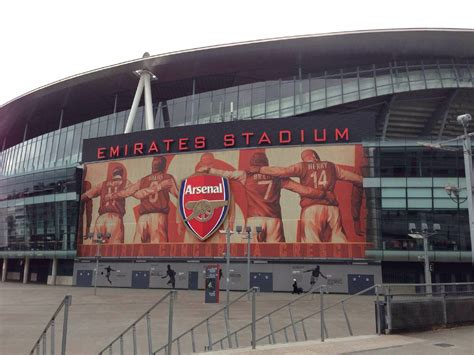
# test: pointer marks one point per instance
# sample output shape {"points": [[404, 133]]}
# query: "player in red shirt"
{"points": [[153, 191], [320, 216], [86, 207], [263, 196], [111, 211]]}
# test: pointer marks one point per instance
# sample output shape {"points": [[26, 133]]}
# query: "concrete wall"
{"points": [[282, 273], [61, 280]]}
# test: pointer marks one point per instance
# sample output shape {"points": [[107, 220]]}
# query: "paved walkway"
{"points": [[95, 320]]}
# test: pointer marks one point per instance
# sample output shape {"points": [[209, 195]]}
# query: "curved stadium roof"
{"points": [[91, 94]]}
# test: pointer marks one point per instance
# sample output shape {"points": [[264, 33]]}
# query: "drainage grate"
{"points": [[443, 345]]}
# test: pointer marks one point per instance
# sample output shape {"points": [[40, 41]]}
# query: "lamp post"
{"points": [[464, 120], [424, 234], [99, 240], [228, 233]]}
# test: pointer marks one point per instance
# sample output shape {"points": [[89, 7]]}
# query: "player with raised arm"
{"points": [[111, 211], [320, 216], [263, 196], [153, 191]]}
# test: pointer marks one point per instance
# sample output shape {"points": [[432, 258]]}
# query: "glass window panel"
{"points": [[420, 203], [258, 101], [218, 105], [61, 146], [120, 126], [204, 111], [54, 150], [231, 97], [302, 96], [93, 129], [69, 142], [245, 102], [102, 130], [76, 143], [287, 100], [393, 203], [393, 192], [272, 101], [419, 192]]}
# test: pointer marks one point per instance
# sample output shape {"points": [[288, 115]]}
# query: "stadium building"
{"points": [[315, 142]]}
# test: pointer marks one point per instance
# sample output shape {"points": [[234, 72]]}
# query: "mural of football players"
{"points": [[263, 196], [208, 161], [320, 216], [153, 191], [111, 211]]}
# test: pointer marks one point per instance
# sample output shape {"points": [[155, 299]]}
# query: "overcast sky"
{"points": [[44, 41]]}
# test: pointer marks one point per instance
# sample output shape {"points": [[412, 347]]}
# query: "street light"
{"points": [[464, 120], [228, 232], [101, 239], [424, 234], [248, 233]]}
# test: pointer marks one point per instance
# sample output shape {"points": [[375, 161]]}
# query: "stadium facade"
{"points": [[319, 137]]}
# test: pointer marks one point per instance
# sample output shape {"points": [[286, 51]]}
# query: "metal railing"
{"points": [[268, 317], [171, 295], [431, 291], [271, 336], [41, 344], [207, 323]]}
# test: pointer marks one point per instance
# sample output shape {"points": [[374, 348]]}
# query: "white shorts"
{"points": [[109, 223], [322, 223], [152, 228]]}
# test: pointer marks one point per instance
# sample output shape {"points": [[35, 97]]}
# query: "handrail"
{"points": [[311, 291], [66, 302], [323, 309], [190, 330], [169, 294], [428, 284]]}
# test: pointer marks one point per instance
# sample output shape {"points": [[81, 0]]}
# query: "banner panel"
{"points": [[308, 200]]}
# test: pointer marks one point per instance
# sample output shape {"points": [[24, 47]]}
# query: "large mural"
{"points": [[305, 201]]}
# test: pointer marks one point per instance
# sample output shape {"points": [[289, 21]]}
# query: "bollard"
{"points": [[377, 310], [170, 321], [148, 331], [254, 329], [52, 337], [67, 303], [134, 339], [227, 327], [321, 292]]}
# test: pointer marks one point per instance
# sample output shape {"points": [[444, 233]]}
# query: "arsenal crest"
{"points": [[203, 203]]}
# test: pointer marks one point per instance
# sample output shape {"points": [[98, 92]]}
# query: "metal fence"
{"points": [[41, 345], [120, 340], [311, 315], [417, 306], [189, 341]]}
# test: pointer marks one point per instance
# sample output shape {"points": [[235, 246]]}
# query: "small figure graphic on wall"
{"points": [[108, 270], [171, 274], [315, 273]]}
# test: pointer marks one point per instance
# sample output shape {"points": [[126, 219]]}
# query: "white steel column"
{"points": [[468, 172], [54, 270], [149, 122], [4, 269], [136, 102], [26, 270]]}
